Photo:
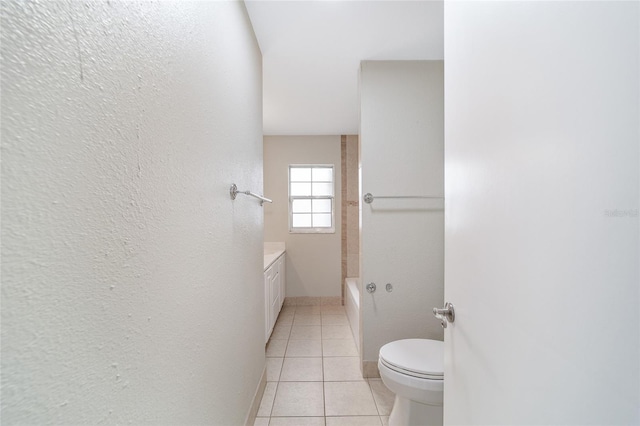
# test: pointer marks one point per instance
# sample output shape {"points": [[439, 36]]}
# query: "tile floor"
{"points": [[313, 374]]}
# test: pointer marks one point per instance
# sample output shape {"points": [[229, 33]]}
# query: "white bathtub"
{"points": [[353, 307]]}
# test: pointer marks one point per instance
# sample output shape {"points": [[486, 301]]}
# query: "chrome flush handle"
{"points": [[448, 314]]}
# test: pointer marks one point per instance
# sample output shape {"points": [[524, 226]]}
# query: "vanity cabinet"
{"points": [[274, 293], [283, 276]]}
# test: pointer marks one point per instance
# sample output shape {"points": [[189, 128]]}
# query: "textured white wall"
{"points": [[313, 260], [402, 153], [128, 274]]}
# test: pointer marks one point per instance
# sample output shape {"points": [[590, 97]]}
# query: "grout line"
{"points": [[275, 394], [375, 402]]}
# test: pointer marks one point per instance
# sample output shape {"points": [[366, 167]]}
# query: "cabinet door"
{"points": [[275, 295], [283, 274], [268, 326]]}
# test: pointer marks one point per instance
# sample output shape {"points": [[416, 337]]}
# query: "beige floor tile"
{"points": [[276, 348], [336, 332], [288, 310], [354, 421], [304, 348], [308, 310], [299, 399], [331, 301], [281, 331], [282, 326], [305, 332], [267, 399], [296, 395], [348, 399], [342, 369], [332, 310], [297, 421], [301, 370], [285, 319], [383, 397], [307, 320], [335, 320], [339, 347], [261, 421], [274, 366]]}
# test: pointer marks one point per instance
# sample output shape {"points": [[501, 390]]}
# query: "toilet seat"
{"points": [[420, 358], [413, 369]]}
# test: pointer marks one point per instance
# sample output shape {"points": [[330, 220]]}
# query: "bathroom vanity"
{"points": [[274, 284]]}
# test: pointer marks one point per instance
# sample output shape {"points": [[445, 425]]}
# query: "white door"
{"points": [[541, 218]]}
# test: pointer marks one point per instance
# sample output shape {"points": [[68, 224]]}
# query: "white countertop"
{"points": [[272, 251]]}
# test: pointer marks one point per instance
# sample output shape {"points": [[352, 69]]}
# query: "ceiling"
{"points": [[311, 53]]}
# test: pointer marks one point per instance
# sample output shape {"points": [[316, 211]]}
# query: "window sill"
{"points": [[312, 231]]}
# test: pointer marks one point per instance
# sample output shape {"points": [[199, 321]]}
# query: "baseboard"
{"points": [[313, 301], [370, 369], [257, 399]]}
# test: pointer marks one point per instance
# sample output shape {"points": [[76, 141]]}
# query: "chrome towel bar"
{"points": [[234, 192], [368, 197]]}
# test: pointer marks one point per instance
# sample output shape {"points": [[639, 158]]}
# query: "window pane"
{"points": [[322, 206], [300, 174], [323, 174], [322, 220], [300, 189], [322, 189], [301, 206], [301, 220]]}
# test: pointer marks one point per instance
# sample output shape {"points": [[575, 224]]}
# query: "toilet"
{"points": [[413, 370]]}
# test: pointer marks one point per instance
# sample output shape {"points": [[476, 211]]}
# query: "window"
{"points": [[311, 200]]}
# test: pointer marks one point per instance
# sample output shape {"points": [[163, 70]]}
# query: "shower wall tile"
{"points": [[352, 168], [353, 268]]}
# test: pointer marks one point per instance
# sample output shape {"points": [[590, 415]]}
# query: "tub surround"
{"points": [[350, 195], [352, 306]]}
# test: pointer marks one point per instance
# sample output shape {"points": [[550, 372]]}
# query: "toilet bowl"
{"points": [[413, 370]]}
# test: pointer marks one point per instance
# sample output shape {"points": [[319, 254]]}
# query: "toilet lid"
{"points": [[422, 357]]}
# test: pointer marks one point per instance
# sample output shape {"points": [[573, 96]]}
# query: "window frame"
{"points": [[332, 198]]}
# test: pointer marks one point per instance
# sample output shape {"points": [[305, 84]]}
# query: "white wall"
{"points": [[313, 260], [542, 147], [128, 274], [402, 239]]}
